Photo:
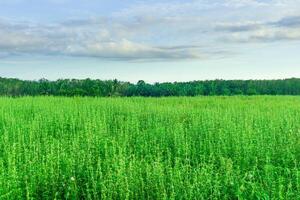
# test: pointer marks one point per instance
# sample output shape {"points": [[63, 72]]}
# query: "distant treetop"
{"points": [[89, 87]]}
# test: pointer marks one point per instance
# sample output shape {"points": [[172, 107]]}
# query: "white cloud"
{"points": [[286, 29], [157, 31], [89, 40]]}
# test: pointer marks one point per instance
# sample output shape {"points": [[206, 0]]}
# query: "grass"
{"points": [[150, 148]]}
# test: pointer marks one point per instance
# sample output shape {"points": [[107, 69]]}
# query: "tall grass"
{"points": [[148, 148]]}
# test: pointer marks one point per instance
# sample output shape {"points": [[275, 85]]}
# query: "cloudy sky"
{"points": [[166, 40]]}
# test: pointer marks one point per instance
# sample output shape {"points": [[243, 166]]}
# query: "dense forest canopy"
{"points": [[88, 87]]}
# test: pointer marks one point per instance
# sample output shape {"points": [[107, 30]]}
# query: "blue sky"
{"points": [[151, 40]]}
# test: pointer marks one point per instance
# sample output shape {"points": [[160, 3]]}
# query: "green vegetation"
{"points": [[150, 148], [99, 88]]}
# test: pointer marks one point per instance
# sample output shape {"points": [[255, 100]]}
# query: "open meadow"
{"points": [[150, 148]]}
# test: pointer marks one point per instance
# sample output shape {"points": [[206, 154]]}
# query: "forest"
{"points": [[106, 88]]}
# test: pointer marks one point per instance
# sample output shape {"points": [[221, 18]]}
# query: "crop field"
{"points": [[150, 148]]}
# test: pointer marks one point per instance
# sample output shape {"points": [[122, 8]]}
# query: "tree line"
{"points": [[101, 88]]}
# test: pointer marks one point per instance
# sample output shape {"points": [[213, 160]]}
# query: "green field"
{"points": [[150, 148]]}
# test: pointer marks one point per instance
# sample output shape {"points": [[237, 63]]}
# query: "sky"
{"points": [[155, 41]]}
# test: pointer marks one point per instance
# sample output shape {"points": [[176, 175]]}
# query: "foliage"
{"points": [[88, 87], [150, 148]]}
